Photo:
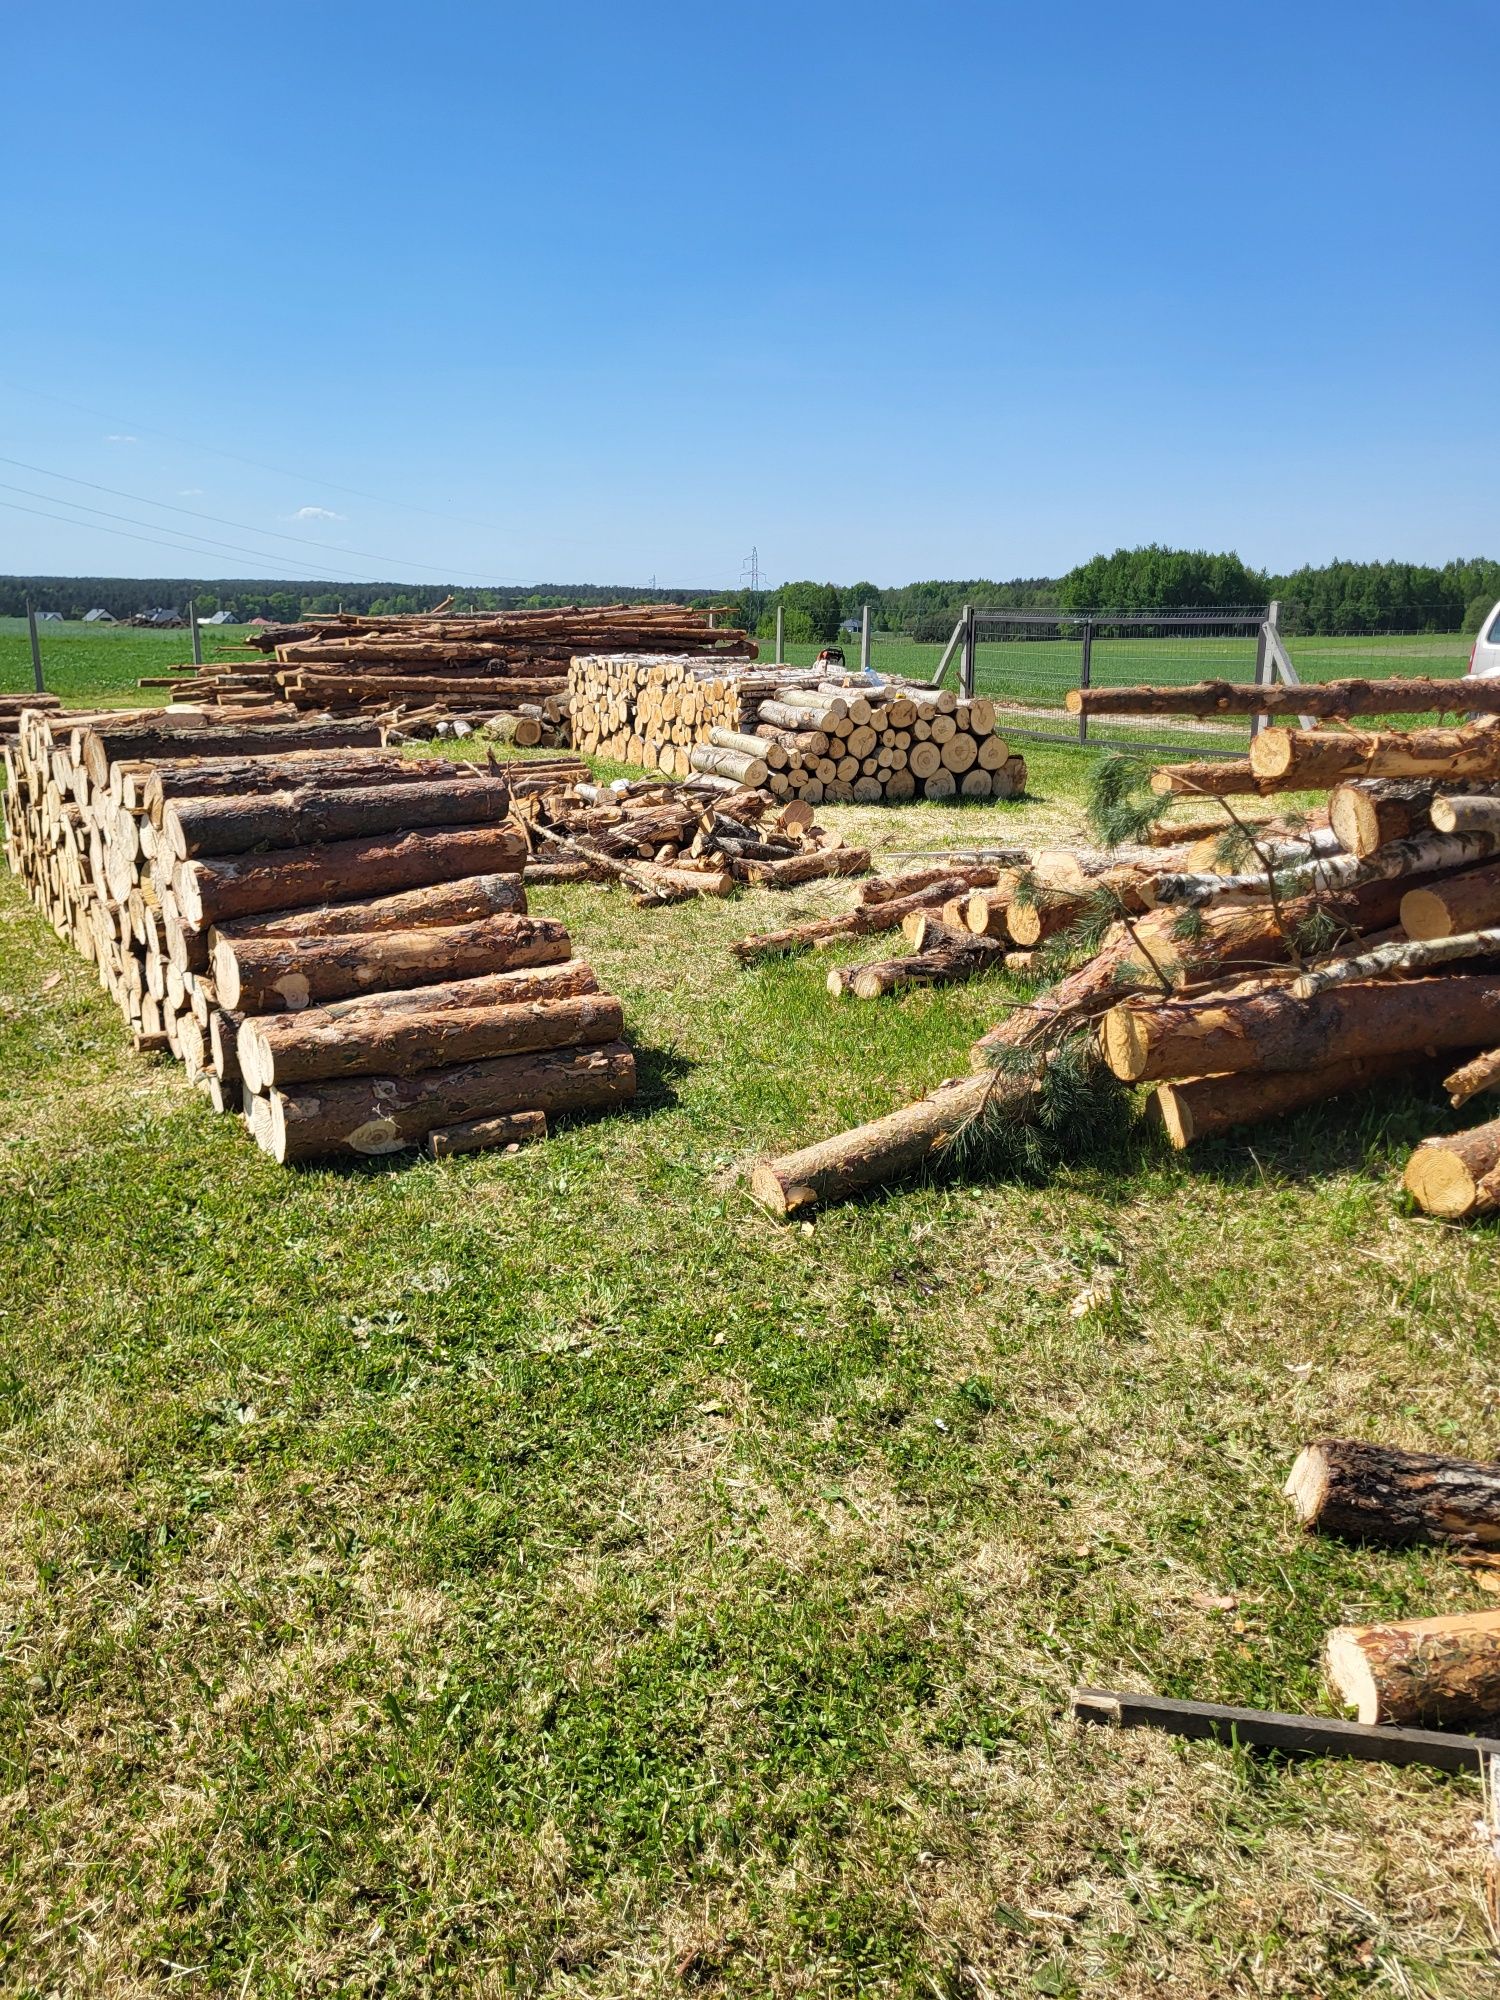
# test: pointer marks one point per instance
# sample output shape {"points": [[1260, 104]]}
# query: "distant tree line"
{"points": [[1334, 598]]}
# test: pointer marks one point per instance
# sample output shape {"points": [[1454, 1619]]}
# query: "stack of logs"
{"points": [[330, 937], [798, 736], [14, 706], [420, 672], [667, 843], [1338, 948]]}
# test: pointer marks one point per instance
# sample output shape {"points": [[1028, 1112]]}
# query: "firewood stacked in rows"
{"points": [[418, 672], [1329, 952], [669, 842], [798, 736], [330, 937]]}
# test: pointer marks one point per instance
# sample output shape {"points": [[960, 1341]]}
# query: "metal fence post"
{"points": [[193, 629], [966, 664], [1085, 675], [864, 641], [1265, 664], [780, 636], [36, 649]]}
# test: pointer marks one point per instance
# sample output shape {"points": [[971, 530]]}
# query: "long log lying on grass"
{"points": [[367, 1117], [1407, 696], [274, 975], [1458, 903], [191, 827], [208, 892], [824, 864], [278, 1050], [1203, 1107], [1457, 1175], [1419, 1670], [900, 1143], [1308, 759], [1470, 1078], [1259, 1027], [1378, 1493], [955, 957]]}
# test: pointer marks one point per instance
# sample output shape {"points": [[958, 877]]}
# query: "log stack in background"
{"points": [[426, 673], [330, 938], [799, 735]]}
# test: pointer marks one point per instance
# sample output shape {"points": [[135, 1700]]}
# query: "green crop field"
{"points": [[549, 1575]]}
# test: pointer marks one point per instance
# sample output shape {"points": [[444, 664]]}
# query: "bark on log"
{"points": [[1438, 1671], [192, 827], [1408, 695], [1333, 874], [814, 867], [441, 905], [1378, 1493], [888, 1147], [1457, 1175], [1470, 1078], [1473, 812], [1202, 1107], [860, 922], [273, 975], [208, 892], [1072, 999], [889, 888], [728, 764], [955, 958], [279, 1050], [1307, 759], [100, 747], [239, 777], [1366, 813], [1402, 956], [1466, 902], [1210, 781], [477, 1135], [1260, 1027], [369, 1117]]}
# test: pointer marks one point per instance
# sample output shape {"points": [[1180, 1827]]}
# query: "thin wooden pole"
{"points": [[36, 649], [864, 641], [780, 636], [193, 629]]}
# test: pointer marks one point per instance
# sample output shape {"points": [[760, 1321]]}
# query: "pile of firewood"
{"points": [[795, 735], [502, 668], [669, 842], [1269, 965], [14, 706], [330, 937]]}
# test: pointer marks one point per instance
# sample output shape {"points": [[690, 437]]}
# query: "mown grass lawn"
{"points": [[549, 1575]]}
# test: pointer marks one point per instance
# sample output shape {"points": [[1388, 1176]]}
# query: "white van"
{"points": [[1484, 661]]}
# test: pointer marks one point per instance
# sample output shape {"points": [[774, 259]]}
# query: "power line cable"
{"points": [[181, 548]]}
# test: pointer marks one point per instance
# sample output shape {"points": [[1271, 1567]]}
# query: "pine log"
{"points": [[957, 957], [903, 1141], [1470, 1078], [986, 910], [277, 1050], [192, 827], [1457, 1175], [372, 1116], [517, 1128], [273, 975], [1466, 902], [1306, 759], [1413, 695], [1210, 781], [1378, 1493], [239, 777], [1047, 916], [860, 922], [101, 746], [814, 867], [441, 904], [1366, 813], [889, 888], [208, 892], [1202, 1107], [1441, 1671], [1261, 1027]]}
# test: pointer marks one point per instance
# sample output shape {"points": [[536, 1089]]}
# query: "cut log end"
{"points": [[1350, 1675], [1307, 1484]]}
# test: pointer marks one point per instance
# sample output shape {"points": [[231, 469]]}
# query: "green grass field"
{"points": [[548, 1575]]}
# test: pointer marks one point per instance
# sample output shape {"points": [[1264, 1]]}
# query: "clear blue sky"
{"points": [[595, 293]]}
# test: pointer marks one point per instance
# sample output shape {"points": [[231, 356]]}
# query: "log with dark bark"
{"points": [[1263, 1027], [1379, 1493], [1409, 695], [1457, 1175], [277, 1050], [816, 867], [478, 1135], [307, 818], [275, 975], [1440, 1671], [1202, 1107], [367, 1117], [1466, 902], [243, 777], [101, 746], [900, 1143], [1308, 759], [208, 892], [957, 956], [860, 922], [1367, 813]]}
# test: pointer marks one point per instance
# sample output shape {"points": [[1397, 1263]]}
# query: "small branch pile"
{"points": [[667, 843], [797, 735], [419, 672], [327, 935], [1258, 971]]}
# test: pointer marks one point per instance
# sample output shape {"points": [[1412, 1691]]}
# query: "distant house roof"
{"points": [[98, 616], [49, 617], [265, 621], [852, 625], [218, 618], [162, 617]]}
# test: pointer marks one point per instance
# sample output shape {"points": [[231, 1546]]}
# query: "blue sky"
{"points": [[593, 293]]}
